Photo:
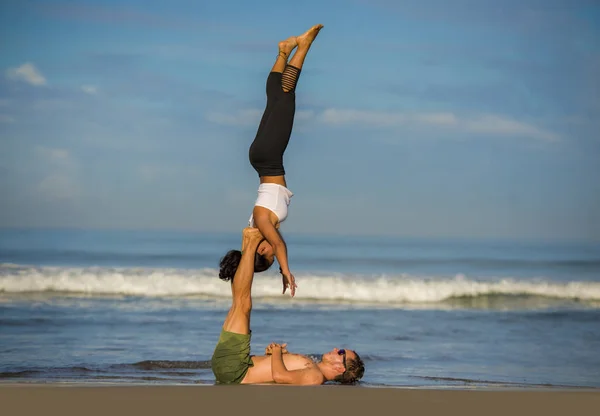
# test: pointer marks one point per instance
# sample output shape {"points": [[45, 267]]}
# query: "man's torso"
{"points": [[261, 371]]}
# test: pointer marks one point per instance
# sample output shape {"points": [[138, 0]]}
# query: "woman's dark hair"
{"points": [[230, 262]]}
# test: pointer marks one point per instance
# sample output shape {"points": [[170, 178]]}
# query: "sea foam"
{"points": [[381, 289]]}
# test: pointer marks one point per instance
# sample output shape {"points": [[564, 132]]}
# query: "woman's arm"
{"points": [[262, 221]]}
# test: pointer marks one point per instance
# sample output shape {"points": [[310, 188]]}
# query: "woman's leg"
{"points": [[275, 129], [274, 79], [285, 48], [291, 72]]}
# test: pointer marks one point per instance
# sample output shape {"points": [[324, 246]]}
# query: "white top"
{"points": [[274, 197]]}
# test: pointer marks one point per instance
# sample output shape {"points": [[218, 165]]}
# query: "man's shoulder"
{"points": [[312, 370], [315, 376]]}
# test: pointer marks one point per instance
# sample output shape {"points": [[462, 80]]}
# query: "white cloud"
{"points": [[27, 73], [491, 124], [381, 119], [385, 118], [439, 119], [482, 124], [89, 89], [487, 124]]}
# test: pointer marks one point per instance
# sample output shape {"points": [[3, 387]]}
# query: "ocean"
{"points": [[146, 307]]}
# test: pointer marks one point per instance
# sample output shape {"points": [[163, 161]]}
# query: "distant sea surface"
{"points": [[147, 307]]}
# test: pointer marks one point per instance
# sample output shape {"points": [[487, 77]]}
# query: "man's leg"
{"points": [[238, 318]]}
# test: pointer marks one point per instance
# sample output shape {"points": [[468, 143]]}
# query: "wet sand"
{"points": [[35, 399]]}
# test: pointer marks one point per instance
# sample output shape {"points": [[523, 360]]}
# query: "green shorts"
{"points": [[231, 359]]}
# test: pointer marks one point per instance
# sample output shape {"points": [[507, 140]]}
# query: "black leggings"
{"points": [[275, 129]]}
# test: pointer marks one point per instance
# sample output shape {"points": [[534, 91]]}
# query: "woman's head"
{"points": [[264, 250], [263, 259]]}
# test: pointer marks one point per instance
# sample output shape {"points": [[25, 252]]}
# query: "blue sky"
{"points": [[426, 118]]}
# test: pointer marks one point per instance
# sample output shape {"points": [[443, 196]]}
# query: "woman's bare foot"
{"points": [[307, 38], [251, 237], [252, 233], [287, 46]]}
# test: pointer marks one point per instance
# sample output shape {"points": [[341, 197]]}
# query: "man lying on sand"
{"points": [[231, 360]]}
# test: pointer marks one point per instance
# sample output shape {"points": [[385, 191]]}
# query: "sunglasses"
{"points": [[343, 353]]}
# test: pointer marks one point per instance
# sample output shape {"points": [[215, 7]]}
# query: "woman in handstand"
{"points": [[266, 157]]}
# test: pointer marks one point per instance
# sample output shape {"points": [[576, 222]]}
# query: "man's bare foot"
{"points": [[309, 36], [287, 46]]}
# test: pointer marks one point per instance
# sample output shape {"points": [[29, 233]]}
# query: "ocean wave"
{"points": [[585, 262], [334, 288]]}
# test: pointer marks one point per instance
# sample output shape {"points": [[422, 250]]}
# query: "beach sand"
{"points": [[31, 399]]}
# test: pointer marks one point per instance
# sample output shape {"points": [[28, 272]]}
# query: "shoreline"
{"points": [[77, 399], [496, 387]]}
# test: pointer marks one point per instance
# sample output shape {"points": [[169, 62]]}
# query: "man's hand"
{"points": [[273, 346]]}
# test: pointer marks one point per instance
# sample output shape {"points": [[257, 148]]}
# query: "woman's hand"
{"points": [[289, 282]]}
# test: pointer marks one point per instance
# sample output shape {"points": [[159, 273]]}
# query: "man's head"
{"points": [[346, 365]]}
